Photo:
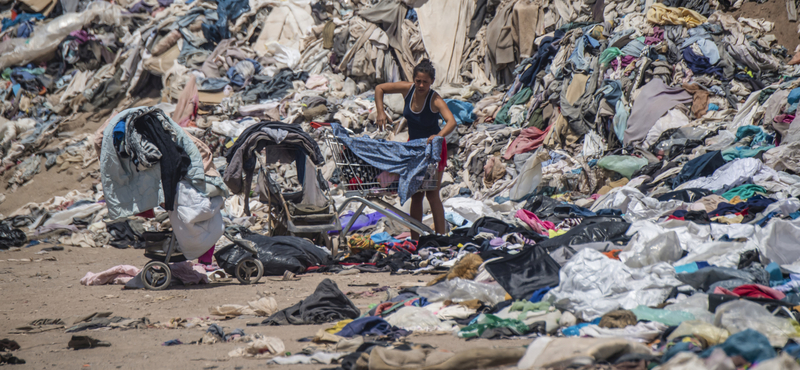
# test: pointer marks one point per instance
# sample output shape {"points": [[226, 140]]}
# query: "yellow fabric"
{"points": [[555, 233], [735, 200], [338, 327], [737, 219], [661, 14]]}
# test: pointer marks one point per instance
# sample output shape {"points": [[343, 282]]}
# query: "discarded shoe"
{"points": [[83, 341]]}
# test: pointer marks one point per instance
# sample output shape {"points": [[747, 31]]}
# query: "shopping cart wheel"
{"points": [[156, 275], [249, 270], [325, 239]]}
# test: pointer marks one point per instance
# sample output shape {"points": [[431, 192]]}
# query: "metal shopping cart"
{"points": [[362, 183]]}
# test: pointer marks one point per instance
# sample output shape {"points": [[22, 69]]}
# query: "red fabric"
{"points": [[529, 139], [671, 217], [443, 161], [383, 307], [148, 214], [320, 124], [758, 291]]}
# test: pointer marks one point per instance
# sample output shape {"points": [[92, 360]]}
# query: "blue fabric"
{"points": [[612, 91], [750, 344], [700, 64], [461, 110], [774, 271], [119, 133], [239, 80], [678, 348], [575, 330], [695, 34], [410, 160], [763, 222], [24, 17], [547, 51], [25, 29], [792, 99], [384, 237], [634, 48], [211, 84], [703, 165], [712, 106], [411, 15], [539, 294], [370, 325], [573, 211], [609, 212], [710, 50], [226, 10], [577, 58]]}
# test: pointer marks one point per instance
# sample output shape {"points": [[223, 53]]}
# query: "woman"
{"points": [[422, 109]]}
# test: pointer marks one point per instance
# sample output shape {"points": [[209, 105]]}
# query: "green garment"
{"points": [[485, 322], [624, 165], [744, 192], [519, 98]]}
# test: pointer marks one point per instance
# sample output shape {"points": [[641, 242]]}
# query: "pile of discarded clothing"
{"points": [[623, 174]]}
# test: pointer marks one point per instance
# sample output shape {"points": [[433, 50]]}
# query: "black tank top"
{"points": [[423, 124]]}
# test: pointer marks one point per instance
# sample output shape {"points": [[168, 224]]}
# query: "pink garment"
{"points": [[317, 82], [784, 118], [189, 274], [387, 178], [658, 36], [207, 257], [119, 275], [534, 222], [626, 60], [529, 139], [721, 290], [188, 103], [758, 291], [402, 236]]}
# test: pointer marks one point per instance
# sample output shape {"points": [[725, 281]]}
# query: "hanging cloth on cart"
{"points": [[410, 160], [309, 200]]}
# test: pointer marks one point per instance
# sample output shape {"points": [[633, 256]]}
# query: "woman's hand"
{"points": [[381, 120], [430, 139]]}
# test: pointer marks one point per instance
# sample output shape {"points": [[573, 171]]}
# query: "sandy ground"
{"points": [[774, 11], [51, 289]]}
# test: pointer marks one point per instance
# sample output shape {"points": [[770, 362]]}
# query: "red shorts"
{"points": [[443, 161]]}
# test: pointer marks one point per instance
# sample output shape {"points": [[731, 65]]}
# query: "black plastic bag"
{"points": [[10, 237], [278, 254], [526, 272], [589, 231]]}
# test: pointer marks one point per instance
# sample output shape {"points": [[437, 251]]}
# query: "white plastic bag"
{"points": [[419, 319], [593, 285], [459, 290], [284, 54], [196, 220], [665, 248], [741, 315]]}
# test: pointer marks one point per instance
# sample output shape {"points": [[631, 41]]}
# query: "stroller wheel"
{"points": [[249, 270], [156, 275]]}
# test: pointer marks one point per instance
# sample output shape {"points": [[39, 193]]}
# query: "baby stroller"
{"points": [[307, 213], [144, 150], [162, 246]]}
